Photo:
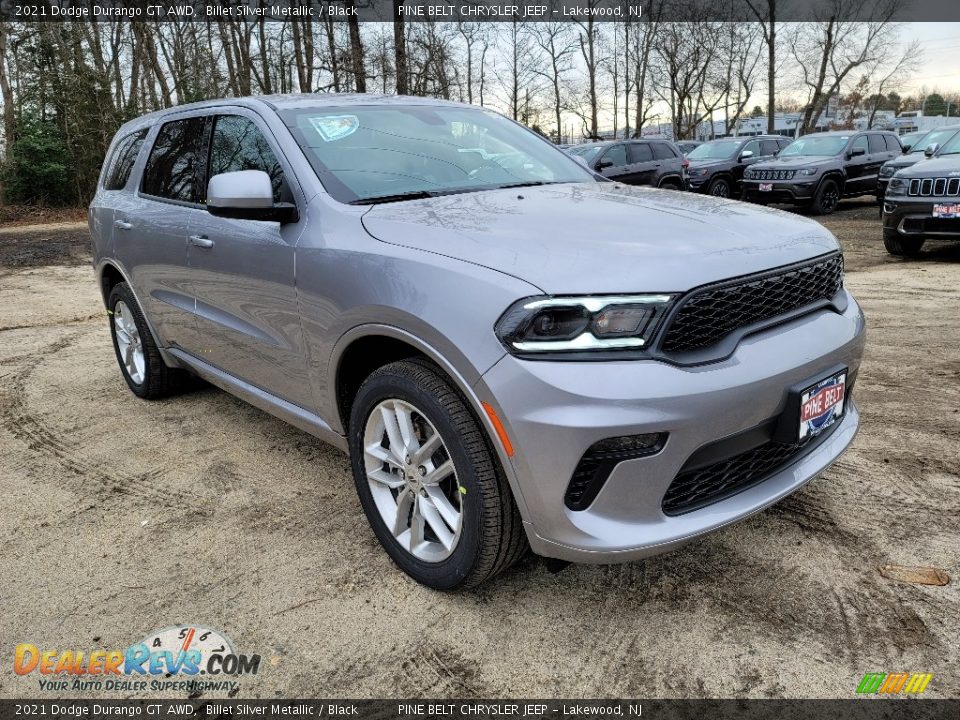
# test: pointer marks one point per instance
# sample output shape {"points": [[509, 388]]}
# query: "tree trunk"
{"points": [[400, 49], [356, 49], [9, 118]]}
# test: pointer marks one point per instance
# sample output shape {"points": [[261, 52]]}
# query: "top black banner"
{"points": [[480, 10]]}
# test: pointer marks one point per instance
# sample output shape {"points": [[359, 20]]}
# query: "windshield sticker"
{"points": [[335, 127]]}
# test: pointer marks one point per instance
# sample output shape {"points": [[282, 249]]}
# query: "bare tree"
{"points": [[557, 47], [841, 41], [766, 13]]}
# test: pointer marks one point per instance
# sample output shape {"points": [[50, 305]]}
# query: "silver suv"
{"points": [[514, 351]]}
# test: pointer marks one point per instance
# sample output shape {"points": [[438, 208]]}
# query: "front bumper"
{"points": [[784, 191], [912, 217], [554, 411]]}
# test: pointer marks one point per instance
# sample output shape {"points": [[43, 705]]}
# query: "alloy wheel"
{"points": [[412, 480], [129, 342]]}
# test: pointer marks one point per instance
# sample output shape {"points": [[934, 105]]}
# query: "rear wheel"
{"points": [[720, 187], [901, 246], [137, 354], [669, 184], [826, 199], [429, 482]]}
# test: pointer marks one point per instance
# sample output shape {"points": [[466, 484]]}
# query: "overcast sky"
{"points": [[941, 56]]}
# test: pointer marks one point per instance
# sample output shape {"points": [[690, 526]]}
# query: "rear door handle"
{"points": [[201, 241], [122, 225]]}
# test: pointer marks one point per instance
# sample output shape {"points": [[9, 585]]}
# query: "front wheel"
{"points": [[901, 246], [719, 188], [826, 199], [428, 480]]}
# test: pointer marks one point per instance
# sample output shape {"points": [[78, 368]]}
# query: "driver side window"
{"points": [[861, 142], [617, 156], [752, 146], [238, 144]]}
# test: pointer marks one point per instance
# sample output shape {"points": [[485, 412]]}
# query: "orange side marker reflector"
{"points": [[498, 426]]}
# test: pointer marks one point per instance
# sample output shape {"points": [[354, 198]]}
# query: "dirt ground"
{"points": [[121, 517]]}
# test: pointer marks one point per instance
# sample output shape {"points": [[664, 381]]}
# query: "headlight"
{"points": [[887, 171], [896, 186], [807, 171], [576, 324]]}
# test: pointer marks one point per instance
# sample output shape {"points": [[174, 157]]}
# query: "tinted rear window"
{"points": [[662, 151], [123, 160], [175, 165], [769, 147], [640, 152], [877, 145]]}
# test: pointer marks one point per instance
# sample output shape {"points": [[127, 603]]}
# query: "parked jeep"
{"points": [[923, 202], [925, 147], [636, 162], [818, 170], [717, 167]]}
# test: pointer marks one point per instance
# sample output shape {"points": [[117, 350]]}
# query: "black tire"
{"points": [[826, 199], [159, 381], [901, 246], [720, 187], [492, 536], [669, 184]]}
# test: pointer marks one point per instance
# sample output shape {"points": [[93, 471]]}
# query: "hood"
{"points": [[602, 237], [708, 163], [947, 166], [791, 163], [904, 160]]}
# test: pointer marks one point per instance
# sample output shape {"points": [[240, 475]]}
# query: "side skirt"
{"points": [[278, 407]]}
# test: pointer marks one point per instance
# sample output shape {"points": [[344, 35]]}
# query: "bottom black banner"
{"points": [[854, 709]]}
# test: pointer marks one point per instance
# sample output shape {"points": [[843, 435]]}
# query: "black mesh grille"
{"points": [[708, 316], [696, 488], [772, 174]]}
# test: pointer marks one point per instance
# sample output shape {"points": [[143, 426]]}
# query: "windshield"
{"points": [[951, 147], [934, 136], [587, 152], [717, 150], [825, 146], [382, 152]]}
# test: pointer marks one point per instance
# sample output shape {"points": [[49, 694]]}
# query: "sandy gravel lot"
{"points": [[120, 517]]}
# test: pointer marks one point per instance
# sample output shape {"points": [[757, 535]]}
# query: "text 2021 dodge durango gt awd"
{"points": [[514, 351]]}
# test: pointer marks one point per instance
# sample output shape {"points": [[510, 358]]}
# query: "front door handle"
{"points": [[122, 225], [201, 241]]}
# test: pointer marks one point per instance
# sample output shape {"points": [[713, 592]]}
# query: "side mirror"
{"points": [[603, 164], [857, 152], [746, 154], [247, 195], [906, 147], [931, 150]]}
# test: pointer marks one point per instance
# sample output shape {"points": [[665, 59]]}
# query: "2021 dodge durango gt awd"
{"points": [[515, 352]]}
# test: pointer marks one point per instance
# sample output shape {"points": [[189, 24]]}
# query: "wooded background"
{"points": [[66, 87]]}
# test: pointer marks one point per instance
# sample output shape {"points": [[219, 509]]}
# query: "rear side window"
{"points": [[238, 144], [877, 145], [892, 143], [662, 151], [176, 161], [769, 147], [640, 152], [122, 161]]}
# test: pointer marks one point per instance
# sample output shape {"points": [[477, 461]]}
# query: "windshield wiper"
{"points": [[396, 197]]}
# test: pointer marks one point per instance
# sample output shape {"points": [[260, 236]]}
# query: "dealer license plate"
{"points": [[949, 210], [821, 405], [766, 187]]}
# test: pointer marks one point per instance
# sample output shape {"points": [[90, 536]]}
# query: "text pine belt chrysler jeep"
{"points": [[818, 170], [514, 351]]}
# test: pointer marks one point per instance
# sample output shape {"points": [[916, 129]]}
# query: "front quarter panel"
{"points": [[349, 284]]}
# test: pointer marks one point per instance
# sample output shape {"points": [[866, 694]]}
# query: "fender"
{"points": [[465, 388]]}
